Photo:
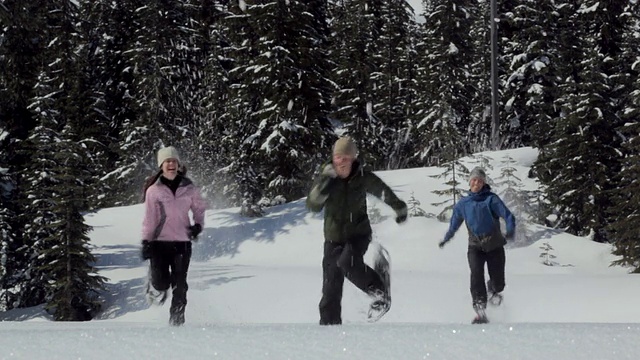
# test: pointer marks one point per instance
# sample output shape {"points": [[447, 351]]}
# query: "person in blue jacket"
{"points": [[481, 210]]}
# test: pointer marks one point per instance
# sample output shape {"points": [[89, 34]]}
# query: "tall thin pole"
{"points": [[495, 118]]}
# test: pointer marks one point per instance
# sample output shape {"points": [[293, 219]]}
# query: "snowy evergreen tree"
{"points": [[206, 154], [167, 74], [529, 48], [547, 254], [54, 225], [625, 213], [395, 89], [8, 240], [73, 295], [455, 174], [478, 135], [280, 103], [446, 54], [110, 30], [579, 164], [20, 62], [516, 199], [413, 205], [357, 27], [625, 232]]}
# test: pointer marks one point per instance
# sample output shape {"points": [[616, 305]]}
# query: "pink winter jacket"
{"points": [[166, 216]]}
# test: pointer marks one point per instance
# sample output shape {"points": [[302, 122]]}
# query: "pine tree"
{"points": [[58, 175], [626, 197], [446, 55], [395, 90], [530, 84], [413, 205], [242, 179], [110, 28], [357, 28], [8, 239], [454, 172], [206, 153], [479, 135], [280, 104], [578, 164], [73, 296], [516, 199], [20, 62], [626, 212]]}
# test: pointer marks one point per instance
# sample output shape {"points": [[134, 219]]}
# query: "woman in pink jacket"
{"points": [[167, 232]]}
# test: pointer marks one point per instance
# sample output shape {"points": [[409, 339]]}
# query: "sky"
{"points": [[254, 288], [417, 9]]}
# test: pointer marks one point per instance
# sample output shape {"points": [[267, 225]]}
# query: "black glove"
{"points": [[194, 231], [401, 215], [442, 243], [401, 218], [147, 250]]}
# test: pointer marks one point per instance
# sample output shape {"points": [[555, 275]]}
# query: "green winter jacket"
{"points": [[345, 202]]}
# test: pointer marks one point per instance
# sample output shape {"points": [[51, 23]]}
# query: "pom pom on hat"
{"points": [[168, 152]]}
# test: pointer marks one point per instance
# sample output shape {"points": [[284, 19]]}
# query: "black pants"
{"points": [[340, 261], [169, 266], [495, 261]]}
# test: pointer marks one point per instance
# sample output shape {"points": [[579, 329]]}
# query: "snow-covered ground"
{"points": [[255, 287]]}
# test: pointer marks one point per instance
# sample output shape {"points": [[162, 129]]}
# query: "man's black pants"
{"points": [[495, 261], [340, 261]]}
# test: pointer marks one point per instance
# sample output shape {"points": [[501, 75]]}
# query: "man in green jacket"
{"points": [[341, 190]]}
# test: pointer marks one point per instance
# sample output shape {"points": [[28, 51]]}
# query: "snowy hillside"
{"points": [[254, 288]]}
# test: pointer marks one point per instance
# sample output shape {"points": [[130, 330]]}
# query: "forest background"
{"points": [[254, 93]]}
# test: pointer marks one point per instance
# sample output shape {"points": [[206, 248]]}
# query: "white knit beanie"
{"points": [[168, 152]]}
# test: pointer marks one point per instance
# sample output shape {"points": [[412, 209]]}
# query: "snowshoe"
{"points": [[480, 319], [481, 315], [176, 319], [495, 298], [377, 309], [155, 297], [382, 299]]}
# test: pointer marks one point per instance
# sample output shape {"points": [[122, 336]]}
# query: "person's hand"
{"points": [[329, 171], [442, 243], [401, 215], [194, 231], [401, 218], [147, 250]]}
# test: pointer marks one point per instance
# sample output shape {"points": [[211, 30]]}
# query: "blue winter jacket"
{"points": [[481, 212]]}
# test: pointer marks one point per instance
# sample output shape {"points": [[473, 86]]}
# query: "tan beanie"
{"points": [[168, 152], [345, 146]]}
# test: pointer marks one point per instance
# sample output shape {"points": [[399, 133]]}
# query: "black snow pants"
{"points": [[340, 261], [169, 266], [495, 260]]}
